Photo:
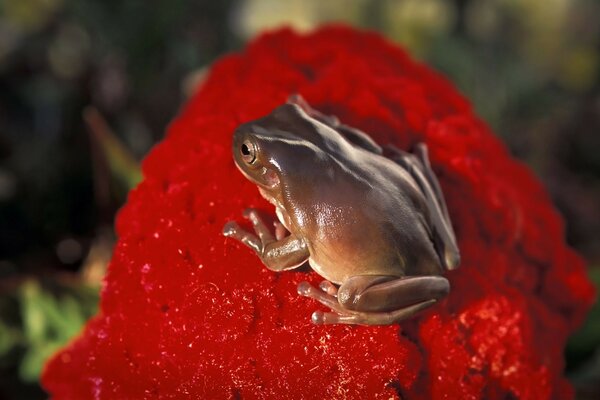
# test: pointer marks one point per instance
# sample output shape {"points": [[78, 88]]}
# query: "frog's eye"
{"points": [[248, 151]]}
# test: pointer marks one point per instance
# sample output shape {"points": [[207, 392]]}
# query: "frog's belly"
{"points": [[337, 263], [339, 271], [318, 268]]}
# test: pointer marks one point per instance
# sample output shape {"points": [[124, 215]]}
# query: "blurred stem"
{"points": [[121, 162]]}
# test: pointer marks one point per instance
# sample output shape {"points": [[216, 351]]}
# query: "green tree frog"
{"points": [[371, 221]]}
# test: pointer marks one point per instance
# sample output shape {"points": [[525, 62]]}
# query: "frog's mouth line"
{"points": [[269, 192], [270, 177], [266, 179]]}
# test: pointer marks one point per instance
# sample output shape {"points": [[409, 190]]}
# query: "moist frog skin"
{"points": [[371, 221]]}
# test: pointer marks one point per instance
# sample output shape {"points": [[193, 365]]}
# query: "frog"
{"points": [[371, 220]]}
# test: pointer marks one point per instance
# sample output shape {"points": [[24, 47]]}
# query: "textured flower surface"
{"points": [[188, 313]]}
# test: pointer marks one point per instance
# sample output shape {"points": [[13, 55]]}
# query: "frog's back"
{"points": [[368, 220], [410, 221]]}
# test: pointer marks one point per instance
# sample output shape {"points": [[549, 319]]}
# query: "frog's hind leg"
{"points": [[421, 151], [420, 169], [377, 300]]}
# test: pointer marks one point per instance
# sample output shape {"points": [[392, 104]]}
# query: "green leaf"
{"points": [[9, 338], [34, 359], [586, 340], [32, 304], [48, 323]]}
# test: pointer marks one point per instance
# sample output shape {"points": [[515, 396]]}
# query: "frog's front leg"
{"points": [[278, 253], [376, 300]]}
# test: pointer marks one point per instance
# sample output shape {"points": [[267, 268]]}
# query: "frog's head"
{"points": [[253, 158], [280, 148]]}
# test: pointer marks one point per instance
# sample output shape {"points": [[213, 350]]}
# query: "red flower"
{"points": [[187, 313]]}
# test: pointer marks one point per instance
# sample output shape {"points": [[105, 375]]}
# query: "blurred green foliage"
{"points": [[111, 152], [36, 320], [583, 351], [585, 341], [530, 67], [48, 322]]}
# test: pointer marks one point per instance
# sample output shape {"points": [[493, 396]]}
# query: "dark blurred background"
{"points": [[88, 86]]}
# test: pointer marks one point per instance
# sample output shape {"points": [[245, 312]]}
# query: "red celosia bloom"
{"points": [[187, 313]]}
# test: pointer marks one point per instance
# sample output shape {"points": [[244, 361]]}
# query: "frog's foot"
{"points": [[376, 300], [323, 296], [233, 230], [255, 241], [369, 318], [279, 252], [261, 229], [345, 316]]}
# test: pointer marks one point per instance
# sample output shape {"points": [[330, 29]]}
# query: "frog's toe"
{"points": [[261, 229], [230, 228], [327, 318], [248, 212], [307, 290], [304, 288], [233, 230], [328, 288], [370, 318], [318, 318], [422, 152]]}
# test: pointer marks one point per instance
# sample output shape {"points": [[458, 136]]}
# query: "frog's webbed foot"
{"points": [[325, 296], [375, 300], [380, 318], [257, 241], [278, 252]]}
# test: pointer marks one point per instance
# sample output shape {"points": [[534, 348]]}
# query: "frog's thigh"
{"points": [[367, 293], [420, 168]]}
